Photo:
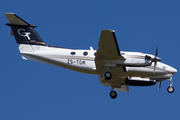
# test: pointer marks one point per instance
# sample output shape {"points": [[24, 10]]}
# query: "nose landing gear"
{"points": [[170, 89]]}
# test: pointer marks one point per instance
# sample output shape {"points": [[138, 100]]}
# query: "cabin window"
{"points": [[73, 53], [95, 54], [85, 53]]}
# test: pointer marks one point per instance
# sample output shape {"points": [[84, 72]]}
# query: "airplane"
{"points": [[117, 69]]}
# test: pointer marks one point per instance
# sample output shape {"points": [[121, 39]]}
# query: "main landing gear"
{"points": [[108, 75], [170, 89], [113, 94]]}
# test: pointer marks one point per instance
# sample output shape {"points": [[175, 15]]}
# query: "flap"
{"points": [[123, 88]]}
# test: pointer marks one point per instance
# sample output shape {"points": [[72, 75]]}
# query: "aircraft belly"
{"points": [[75, 64]]}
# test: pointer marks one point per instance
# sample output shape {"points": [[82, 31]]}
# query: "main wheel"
{"points": [[113, 94], [170, 89], [108, 75]]}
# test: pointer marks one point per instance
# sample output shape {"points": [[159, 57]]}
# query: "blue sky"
{"points": [[30, 90]]}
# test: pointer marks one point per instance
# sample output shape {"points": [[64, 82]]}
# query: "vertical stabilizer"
{"points": [[24, 33]]}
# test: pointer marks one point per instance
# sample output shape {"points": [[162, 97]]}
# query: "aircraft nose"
{"points": [[173, 70]]}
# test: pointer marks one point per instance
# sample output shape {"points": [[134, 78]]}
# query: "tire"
{"points": [[170, 89], [108, 75], [113, 94]]}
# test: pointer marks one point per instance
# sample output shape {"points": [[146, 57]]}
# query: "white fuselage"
{"points": [[84, 61]]}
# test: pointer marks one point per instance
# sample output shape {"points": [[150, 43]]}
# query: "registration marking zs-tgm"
{"points": [[78, 62]]}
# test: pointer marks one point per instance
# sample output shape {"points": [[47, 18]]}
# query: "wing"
{"points": [[107, 53], [108, 50], [108, 46]]}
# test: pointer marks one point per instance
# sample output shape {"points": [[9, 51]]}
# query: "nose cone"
{"points": [[172, 70]]}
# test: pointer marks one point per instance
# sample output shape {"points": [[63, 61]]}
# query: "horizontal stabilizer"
{"points": [[15, 20]]}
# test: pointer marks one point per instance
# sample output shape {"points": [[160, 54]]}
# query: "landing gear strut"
{"points": [[113, 94], [170, 89]]}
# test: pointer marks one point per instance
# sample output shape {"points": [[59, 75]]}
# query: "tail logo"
{"points": [[22, 33]]}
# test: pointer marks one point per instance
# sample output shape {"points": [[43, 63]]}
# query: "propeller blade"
{"points": [[155, 59], [159, 85], [156, 52]]}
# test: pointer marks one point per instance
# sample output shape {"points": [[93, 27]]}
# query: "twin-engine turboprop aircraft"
{"points": [[116, 68]]}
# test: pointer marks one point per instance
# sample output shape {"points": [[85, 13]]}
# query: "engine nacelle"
{"points": [[136, 62], [137, 81], [128, 62]]}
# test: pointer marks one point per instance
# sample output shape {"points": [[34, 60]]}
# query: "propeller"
{"points": [[155, 59], [159, 85]]}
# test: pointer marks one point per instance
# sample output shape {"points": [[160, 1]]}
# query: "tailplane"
{"points": [[24, 33]]}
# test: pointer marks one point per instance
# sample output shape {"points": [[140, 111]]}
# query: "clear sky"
{"points": [[36, 91]]}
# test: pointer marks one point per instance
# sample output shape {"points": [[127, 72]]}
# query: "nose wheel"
{"points": [[170, 89]]}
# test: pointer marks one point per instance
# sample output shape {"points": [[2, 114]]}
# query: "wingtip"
{"points": [[108, 30], [9, 13]]}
